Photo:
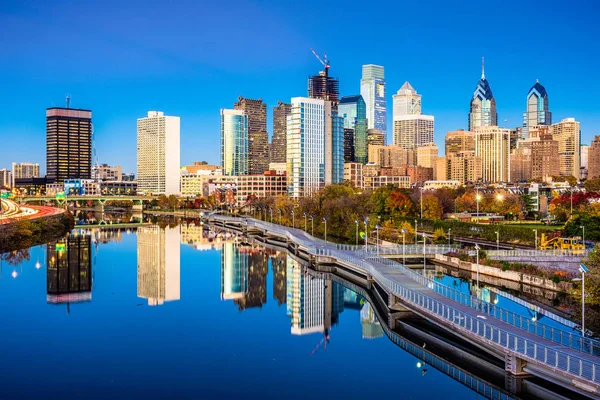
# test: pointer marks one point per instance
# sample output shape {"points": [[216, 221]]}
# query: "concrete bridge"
{"points": [[525, 346], [98, 201]]}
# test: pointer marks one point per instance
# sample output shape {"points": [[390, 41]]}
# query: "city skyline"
{"points": [[117, 96]]}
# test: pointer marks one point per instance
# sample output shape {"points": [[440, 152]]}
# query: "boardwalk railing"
{"points": [[538, 253], [526, 348], [568, 339]]}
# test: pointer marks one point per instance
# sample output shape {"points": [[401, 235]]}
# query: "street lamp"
{"points": [[477, 200], [312, 225], [583, 269], [477, 248], [421, 202], [366, 221], [416, 239], [424, 258], [271, 210], [497, 240], [356, 222], [449, 229], [583, 238], [404, 246], [305, 223], [535, 231], [293, 220], [377, 230], [325, 220]]}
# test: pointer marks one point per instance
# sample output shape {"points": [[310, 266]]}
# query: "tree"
{"points": [[592, 185], [409, 231], [172, 202], [528, 204], [399, 205], [432, 209], [592, 280], [466, 202], [163, 201], [439, 236]]}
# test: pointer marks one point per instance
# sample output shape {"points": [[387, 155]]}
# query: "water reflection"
{"points": [[69, 269], [158, 264], [371, 328]]}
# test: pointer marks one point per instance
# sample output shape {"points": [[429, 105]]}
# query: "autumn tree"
{"points": [[399, 204], [432, 209], [466, 202], [163, 202]]}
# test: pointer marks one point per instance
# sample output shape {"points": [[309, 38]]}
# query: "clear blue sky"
{"points": [[191, 58]]}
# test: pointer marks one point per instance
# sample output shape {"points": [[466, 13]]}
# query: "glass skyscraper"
{"points": [[234, 142], [537, 109], [372, 89], [483, 105], [354, 111]]}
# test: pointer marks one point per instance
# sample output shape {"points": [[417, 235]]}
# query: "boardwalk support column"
{"points": [[513, 364]]}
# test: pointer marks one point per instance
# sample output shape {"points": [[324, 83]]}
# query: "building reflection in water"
{"points": [[279, 268], [69, 272], [313, 304], [371, 328], [201, 238], [158, 264], [234, 272]]}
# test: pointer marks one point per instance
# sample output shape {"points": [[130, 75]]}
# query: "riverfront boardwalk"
{"points": [[526, 346]]}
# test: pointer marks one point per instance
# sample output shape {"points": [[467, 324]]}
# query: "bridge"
{"points": [[98, 200], [525, 346]]}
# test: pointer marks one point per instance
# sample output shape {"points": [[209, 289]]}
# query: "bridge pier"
{"points": [[514, 365]]}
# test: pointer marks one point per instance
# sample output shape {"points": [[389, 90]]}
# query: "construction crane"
{"points": [[325, 63]]}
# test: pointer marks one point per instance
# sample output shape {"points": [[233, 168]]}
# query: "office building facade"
{"points": [[278, 143], [412, 131], [537, 112], [406, 101], [68, 144], [492, 145], [234, 142], [158, 154], [568, 135], [24, 170], [593, 162], [258, 138], [354, 111], [373, 91], [483, 105]]}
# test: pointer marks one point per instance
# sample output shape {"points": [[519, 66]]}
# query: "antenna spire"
{"points": [[68, 101], [482, 68]]}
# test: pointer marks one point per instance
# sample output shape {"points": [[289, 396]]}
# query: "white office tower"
{"points": [[411, 128], [158, 154], [158, 264]]}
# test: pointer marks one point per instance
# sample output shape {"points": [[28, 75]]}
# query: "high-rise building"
{"points": [[158, 264], [391, 156], [483, 105], [520, 162], [349, 154], [568, 135], [412, 131], [427, 156], [68, 144], [107, 173], [334, 145], [6, 180], [353, 172], [324, 87], [372, 89], [24, 170], [537, 112], [258, 138], [407, 101], [158, 154], [353, 110], [584, 161], [234, 142], [463, 167], [593, 165], [375, 138], [544, 153], [441, 169], [278, 143], [492, 145], [460, 140]]}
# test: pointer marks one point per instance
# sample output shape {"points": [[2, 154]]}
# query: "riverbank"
{"points": [[28, 232]]}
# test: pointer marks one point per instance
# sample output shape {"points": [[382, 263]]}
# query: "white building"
{"points": [[492, 145], [306, 300], [158, 264], [24, 170], [406, 101], [158, 154], [106, 173], [5, 178], [411, 128]]}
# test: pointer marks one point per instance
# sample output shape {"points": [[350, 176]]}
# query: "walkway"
{"points": [[527, 346]]}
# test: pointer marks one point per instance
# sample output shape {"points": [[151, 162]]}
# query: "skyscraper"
{"points": [[353, 110], [324, 87], [158, 154], [460, 140], [158, 264], [6, 180], [593, 165], [411, 129], [427, 156], [483, 105], [278, 144], [407, 101], [544, 153], [537, 109], [492, 145], [568, 135], [24, 170], [372, 89], [315, 146], [234, 142], [68, 144], [258, 138]]}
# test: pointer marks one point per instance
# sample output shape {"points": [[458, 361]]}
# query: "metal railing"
{"points": [[537, 253], [526, 348], [555, 334]]}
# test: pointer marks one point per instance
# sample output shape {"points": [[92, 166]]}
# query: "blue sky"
{"points": [[191, 58]]}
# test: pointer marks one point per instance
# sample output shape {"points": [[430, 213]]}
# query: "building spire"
{"points": [[482, 68]]}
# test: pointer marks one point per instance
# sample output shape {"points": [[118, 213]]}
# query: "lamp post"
{"points": [[583, 238], [377, 230], [424, 258], [449, 229], [305, 223], [404, 246], [271, 210], [477, 200], [477, 248], [421, 202], [571, 190], [356, 222], [416, 237], [325, 220], [535, 231], [497, 240], [366, 221], [312, 225], [583, 269]]}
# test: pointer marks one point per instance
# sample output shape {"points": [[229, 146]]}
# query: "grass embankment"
{"points": [[26, 233]]}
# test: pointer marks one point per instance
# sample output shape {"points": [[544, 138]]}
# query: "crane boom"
{"points": [[325, 63]]}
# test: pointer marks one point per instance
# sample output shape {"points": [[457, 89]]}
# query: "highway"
{"points": [[11, 211]]}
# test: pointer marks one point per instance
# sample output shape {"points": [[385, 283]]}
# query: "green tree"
{"points": [[432, 209], [163, 202], [592, 185], [172, 202]]}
